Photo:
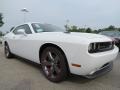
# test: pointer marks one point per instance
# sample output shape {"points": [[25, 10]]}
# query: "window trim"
{"points": [[20, 26]]}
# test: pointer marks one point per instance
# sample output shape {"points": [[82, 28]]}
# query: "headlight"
{"points": [[100, 46], [92, 47]]}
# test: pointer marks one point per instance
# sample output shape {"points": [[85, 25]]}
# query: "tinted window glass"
{"points": [[46, 28], [25, 27]]}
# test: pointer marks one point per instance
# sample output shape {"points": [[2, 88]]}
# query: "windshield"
{"points": [[111, 33], [46, 28]]}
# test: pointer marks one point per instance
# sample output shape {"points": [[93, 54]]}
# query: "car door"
{"points": [[22, 43], [12, 39]]}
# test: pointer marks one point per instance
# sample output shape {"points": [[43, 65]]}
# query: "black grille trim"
{"points": [[102, 46]]}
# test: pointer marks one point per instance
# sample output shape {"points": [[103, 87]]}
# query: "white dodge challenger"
{"points": [[61, 52]]}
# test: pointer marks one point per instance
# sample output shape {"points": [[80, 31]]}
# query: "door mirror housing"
{"points": [[22, 32]]}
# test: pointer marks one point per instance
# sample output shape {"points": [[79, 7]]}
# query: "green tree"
{"points": [[81, 30], [1, 20], [1, 33], [88, 30], [118, 29], [74, 28], [111, 27], [95, 31]]}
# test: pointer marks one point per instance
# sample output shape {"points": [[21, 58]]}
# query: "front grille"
{"points": [[104, 46]]}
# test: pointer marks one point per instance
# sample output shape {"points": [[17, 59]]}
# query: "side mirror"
{"points": [[21, 32]]}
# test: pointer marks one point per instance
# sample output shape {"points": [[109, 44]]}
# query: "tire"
{"points": [[53, 64], [7, 52]]}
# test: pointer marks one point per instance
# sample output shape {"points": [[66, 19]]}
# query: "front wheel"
{"points": [[53, 64]]}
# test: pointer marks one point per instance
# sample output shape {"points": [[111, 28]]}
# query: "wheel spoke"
{"points": [[56, 59], [46, 63], [51, 72], [50, 56], [57, 69], [52, 69]]}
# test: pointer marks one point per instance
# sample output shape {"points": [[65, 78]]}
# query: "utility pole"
{"points": [[24, 10]]}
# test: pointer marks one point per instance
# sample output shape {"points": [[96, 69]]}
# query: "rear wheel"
{"points": [[8, 54], [53, 64]]}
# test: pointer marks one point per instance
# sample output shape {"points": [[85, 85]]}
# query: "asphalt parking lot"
{"points": [[17, 74]]}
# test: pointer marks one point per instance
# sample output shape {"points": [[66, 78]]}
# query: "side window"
{"points": [[16, 30], [25, 27]]}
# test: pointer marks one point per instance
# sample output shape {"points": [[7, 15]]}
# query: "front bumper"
{"points": [[91, 63], [101, 71]]}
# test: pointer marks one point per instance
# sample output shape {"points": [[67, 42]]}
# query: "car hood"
{"points": [[87, 35], [72, 37]]}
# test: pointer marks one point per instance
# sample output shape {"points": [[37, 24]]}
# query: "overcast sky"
{"points": [[83, 13]]}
